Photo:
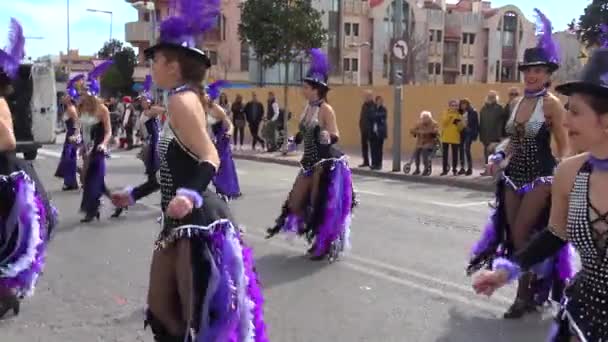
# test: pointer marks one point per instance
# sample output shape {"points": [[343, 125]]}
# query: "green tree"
{"points": [[119, 78], [589, 23], [279, 31]]}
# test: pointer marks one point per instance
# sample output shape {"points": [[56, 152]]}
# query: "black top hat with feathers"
{"points": [[181, 31]]}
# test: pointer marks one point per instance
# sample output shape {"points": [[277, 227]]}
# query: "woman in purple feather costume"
{"points": [[96, 133], [523, 194], [26, 215], [203, 285], [579, 213], [320, 203], [68, 163], [220, 128]]}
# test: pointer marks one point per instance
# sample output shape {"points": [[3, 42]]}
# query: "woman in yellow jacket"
{"points": [[451, 128]]}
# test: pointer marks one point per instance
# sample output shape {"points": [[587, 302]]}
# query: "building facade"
{"points": [[466, 42], [229, 57]]}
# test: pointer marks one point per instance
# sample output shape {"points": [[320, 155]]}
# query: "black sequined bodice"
{"points": [[587, 304]]}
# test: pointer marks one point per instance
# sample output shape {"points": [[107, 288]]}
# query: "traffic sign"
{"points": [[400, 49]]}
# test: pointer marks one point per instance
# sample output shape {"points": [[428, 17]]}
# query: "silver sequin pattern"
{"points": [[587, 304]]}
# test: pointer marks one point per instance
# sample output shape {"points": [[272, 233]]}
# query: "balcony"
{"points": [[138, 32], [355, 7], [140, 72]]}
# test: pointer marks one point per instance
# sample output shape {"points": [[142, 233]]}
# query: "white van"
{"points": [[34, 108]]}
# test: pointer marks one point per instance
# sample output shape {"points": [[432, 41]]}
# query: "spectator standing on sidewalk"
{"points": [[224, 103], [271, 125], [426, 132], [513, 95], [470, 133], [129, 120], [378, 133], [451, 128], [367, 111], [238, 118], [492, 121], [254, 113]]}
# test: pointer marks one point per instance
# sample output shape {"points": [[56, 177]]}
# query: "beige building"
{"points": [[223, 45], [78, 64]]}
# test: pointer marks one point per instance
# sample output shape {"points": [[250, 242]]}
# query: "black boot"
{"points": [[8, 303], [524, 301], [118, 212], [90, 217]]}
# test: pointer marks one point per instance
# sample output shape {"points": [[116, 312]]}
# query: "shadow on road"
{"points": [[463, 327], [279, 269]]}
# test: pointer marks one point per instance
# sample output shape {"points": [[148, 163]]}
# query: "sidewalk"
{"points": [[474, 182]]}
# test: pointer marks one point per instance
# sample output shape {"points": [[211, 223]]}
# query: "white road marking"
{"points": [[451, 295], [367, 192], [459, 205], [375, 265], [422, 201], [56, 154], [49, 153]]}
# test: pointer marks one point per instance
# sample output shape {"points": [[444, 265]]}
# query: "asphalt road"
{"points": [[403, 281]]}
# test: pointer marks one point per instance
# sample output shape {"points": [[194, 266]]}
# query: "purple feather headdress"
{"points": [[545, 40], [319, 67], [93, 87], [11, 56], [147, 87], [71, 87], [214, 89], [191, 18], [604, 36]]}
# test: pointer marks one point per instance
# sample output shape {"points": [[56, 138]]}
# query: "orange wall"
{"points": [[347, 100]]}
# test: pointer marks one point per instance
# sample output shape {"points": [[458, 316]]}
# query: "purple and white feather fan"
{"points": [[545, 40], [12, 55]]}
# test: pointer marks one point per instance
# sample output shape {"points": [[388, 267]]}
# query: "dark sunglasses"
{"points": [[514, 94]]}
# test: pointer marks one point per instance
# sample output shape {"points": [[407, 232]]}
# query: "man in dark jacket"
{"points": [[254, 112], [492, 121], [468, 136], [368, 111]]}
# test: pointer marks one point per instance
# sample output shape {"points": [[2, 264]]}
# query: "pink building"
{"points": [[230, 59]]}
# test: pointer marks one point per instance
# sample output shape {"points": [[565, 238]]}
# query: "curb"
{"points": [[435, 180]]}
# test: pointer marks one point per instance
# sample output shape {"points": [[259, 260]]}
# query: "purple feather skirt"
{"points": [[552, 274], [327, 224], [226, 180], [231, 307], [68, 163], [94, 183], [24, 225]]}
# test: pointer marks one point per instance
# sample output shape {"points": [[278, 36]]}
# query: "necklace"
{"points": [[532, 94], [600, 164]]}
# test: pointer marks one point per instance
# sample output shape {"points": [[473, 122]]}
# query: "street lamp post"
{"points": [[106, 12], [69, 68], [359, 46]]}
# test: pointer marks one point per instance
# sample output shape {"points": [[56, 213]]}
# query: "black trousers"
{"points": [[239, 132], [376, 146], [254, 129], [466, 158], [365, 147], [129, 134], [445, 150]]}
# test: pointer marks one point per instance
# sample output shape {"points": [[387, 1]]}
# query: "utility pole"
{"points": [[398, 81], [69, 68]]}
